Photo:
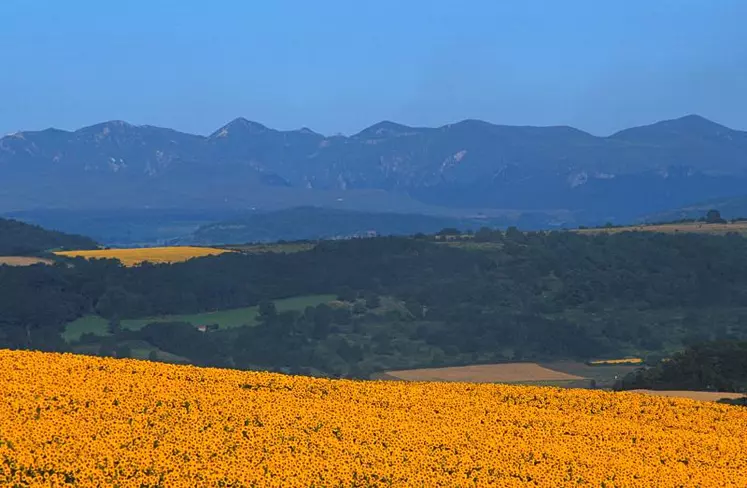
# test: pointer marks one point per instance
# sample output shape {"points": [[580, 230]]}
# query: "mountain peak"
{"points": [[385, 128], [692, 117], [687, 126], [240, 125], [106, 129], [695, 122], [112, 124], [307, 131]]}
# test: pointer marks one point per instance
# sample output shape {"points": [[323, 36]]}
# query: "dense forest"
{"points": [[716, 366], [21, 239], [405, 302]]}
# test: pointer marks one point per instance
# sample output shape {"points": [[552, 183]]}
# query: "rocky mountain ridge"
{"points": [[469, 164]]}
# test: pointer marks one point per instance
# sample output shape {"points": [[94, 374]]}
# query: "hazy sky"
{"points": [[339, 66]]}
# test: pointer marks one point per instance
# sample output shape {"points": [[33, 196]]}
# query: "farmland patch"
{"points": [[155, 255], [23, 261], [695, 227], [485, 373], [708, 396]]}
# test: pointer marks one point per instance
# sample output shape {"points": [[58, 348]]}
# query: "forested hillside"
{"points": [[720, 365], [406, 302], [20, 239]]}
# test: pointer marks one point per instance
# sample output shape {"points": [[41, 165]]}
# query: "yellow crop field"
{"points": [[88, 421], [135, 256], [602, 362]]}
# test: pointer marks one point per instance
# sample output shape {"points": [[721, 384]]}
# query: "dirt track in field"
{"points": [[483, 373], [22, 260]]}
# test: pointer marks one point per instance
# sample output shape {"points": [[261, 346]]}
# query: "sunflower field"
{"points": [[87, 421]]}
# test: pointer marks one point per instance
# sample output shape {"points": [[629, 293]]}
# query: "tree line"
{"points": [[713, 365]]}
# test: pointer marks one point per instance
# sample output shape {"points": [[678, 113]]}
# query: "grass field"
{"points": [[22, 261], [695, 227], [135, 256], [235, 317]]}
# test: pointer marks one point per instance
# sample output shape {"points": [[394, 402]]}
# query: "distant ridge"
{"points": [[684, 127], [470, 165], [303, 223], [693, 121]]}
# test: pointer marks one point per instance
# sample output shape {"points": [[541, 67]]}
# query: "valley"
{"points": [[476, 302], [373, 244]]}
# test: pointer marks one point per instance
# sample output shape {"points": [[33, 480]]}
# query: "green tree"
{"points": [[359, 307], [107, 348], [714, 217], [267, 310], [347, 294], [322, 321], [123, 351], [114, 326], [486, 234], [342, 316], [372, 301]]}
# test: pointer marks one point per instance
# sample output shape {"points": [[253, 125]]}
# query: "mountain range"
{"points": [[457, 169]]}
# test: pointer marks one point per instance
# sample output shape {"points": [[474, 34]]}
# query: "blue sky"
{"points": [[339, 66]]}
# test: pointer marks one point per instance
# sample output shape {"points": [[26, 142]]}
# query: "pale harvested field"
{"points": [[483, 373], [23, 260], [135, 256], [709, 396], [699, 228]]}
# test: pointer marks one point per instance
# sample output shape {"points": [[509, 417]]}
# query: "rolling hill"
{"points": [[147, 424], [730, 208], [20, 239], [314, 223]]}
